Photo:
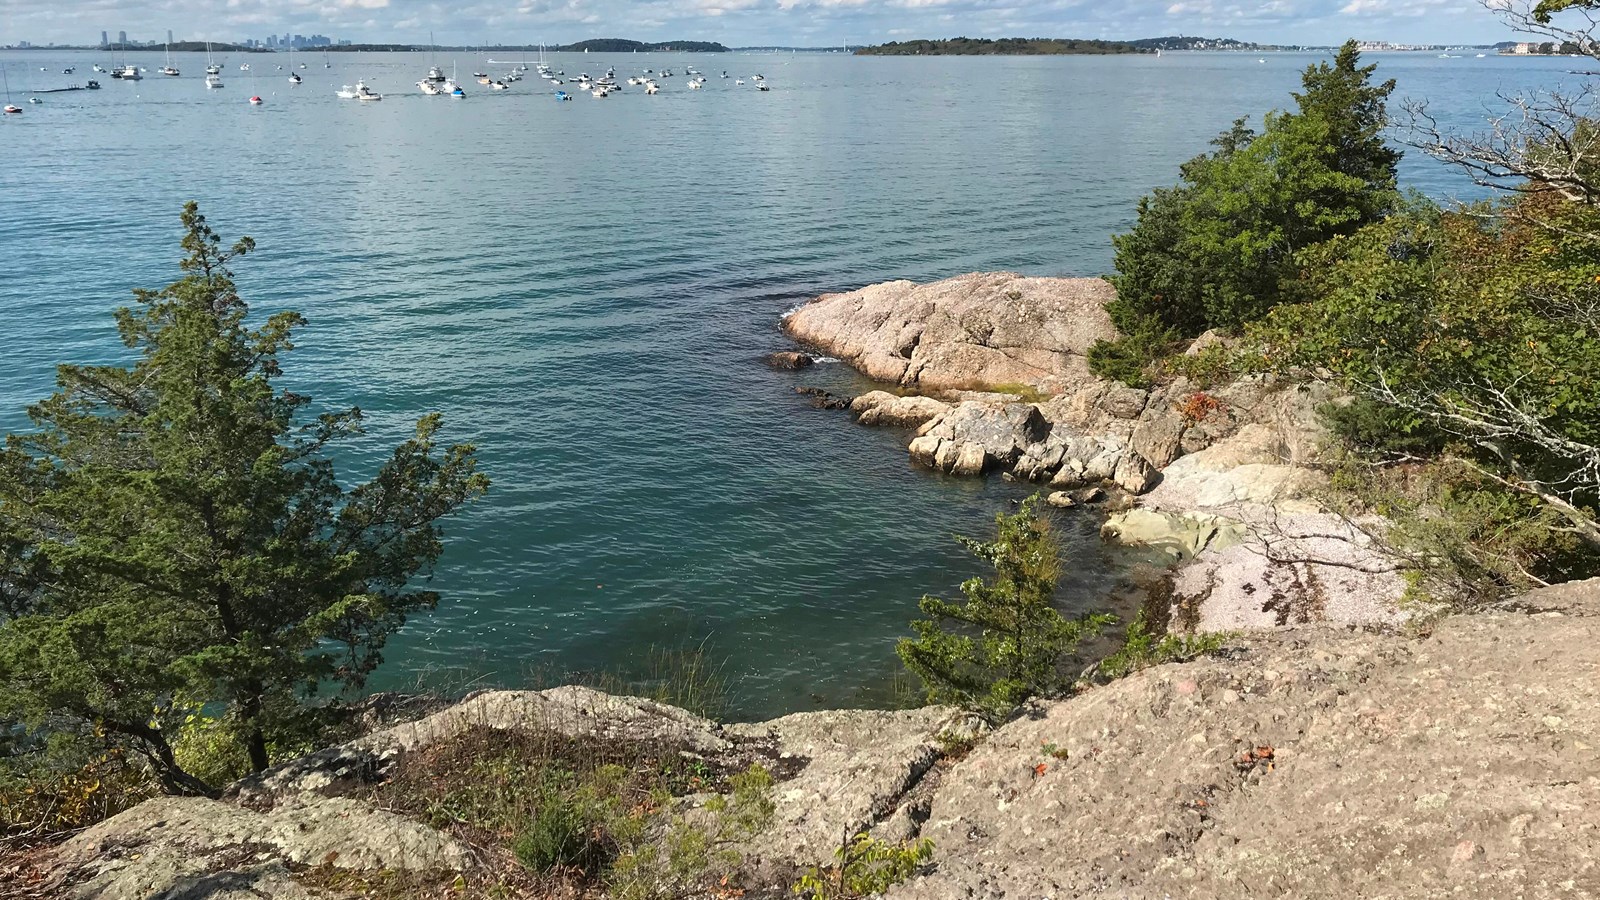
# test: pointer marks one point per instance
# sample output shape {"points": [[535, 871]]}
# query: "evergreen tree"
{"points": [[172, 533], [1006, 642], [1217, 250]]}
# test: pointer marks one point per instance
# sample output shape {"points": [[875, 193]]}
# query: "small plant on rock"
{"points": [[1143, 647], [867, 866]]}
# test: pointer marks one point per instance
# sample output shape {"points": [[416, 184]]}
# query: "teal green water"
{"points": [[585, 289]]}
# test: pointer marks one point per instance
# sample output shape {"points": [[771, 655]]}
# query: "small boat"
{"points": [[34, 100], [69, 70], [484, 79], [294, 78], [92, 85], [213, 80], [652, 88], [365, 93], [739, 82], [562, 95], [10, 110], [427, 87], [255, 101], [694, 85], [762, 86], [479, 75], [211, 67], [498, 86], [244, 67], [458, 93], [168, 69], [13, 110], [127, 73]]}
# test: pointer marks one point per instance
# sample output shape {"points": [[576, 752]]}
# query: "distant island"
{"points": [[962, 46], [619, 45]]}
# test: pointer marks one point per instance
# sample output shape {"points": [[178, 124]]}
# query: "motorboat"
{"points": [[435, 75], [256, 101], [213, 80], [650, 87], [365, 93], [498, 86], [244, 67], [695, 85], [458, 93], [127, 73], [428, 87], [69, 70], [294, 78]]}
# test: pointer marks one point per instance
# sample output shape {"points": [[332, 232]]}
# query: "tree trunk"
{"points": [[256, 743], [174, 780]]}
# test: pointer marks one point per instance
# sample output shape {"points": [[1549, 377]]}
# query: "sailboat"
{"points": [[11, 110], [168, 69], [325, 63], [294, 77], [211, 67]]}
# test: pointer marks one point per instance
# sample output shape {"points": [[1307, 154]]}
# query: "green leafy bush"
{"points": [[867, 866]]}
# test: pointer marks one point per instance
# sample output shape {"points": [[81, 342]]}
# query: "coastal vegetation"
{"points": [[1465, 336], [1005, 642], [182, 573], [963, 46]]}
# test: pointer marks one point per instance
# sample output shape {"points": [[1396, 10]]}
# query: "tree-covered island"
{"points": [[963, 46]]}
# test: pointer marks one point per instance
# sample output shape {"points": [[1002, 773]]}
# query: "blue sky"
{"points": [[752, 22]]}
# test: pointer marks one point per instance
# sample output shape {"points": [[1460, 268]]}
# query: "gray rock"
{"points": [[1318, 764], [971, 459], [884, 408], [1124, 402], [976, 330], [1061, 499], [924, 450], [1005, 431], [1134, 474], [788, 359], [174, 846], [1158, 436]]}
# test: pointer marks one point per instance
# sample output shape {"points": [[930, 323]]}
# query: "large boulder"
{"points": [[1003, 430], [983, 329], [1312, 764]]}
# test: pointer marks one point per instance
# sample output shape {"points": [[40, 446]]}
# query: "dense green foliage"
{"points": [[1218, 249], [1143, 646], [173, 536], [1473, 334], [963, 46], [1005, 642]]}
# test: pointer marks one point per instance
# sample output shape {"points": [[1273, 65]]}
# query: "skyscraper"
{"points": [[169, 35], [104, 40], [122, 38]]}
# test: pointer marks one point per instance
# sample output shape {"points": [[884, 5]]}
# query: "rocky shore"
{"points": [[990, 372], [1308, 762]]}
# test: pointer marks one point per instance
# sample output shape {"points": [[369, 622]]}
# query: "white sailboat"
{"points": [[211, 67], [294, 77], [168, 68], [10, 109]]}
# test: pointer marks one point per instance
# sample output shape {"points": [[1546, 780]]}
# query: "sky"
{"points": [[751, 22]]}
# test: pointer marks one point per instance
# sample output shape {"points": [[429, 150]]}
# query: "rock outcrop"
{"points": [[964, 332], [1306, 762]]}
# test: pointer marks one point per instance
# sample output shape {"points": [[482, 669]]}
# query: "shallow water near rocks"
{"points": [[585, 289]]}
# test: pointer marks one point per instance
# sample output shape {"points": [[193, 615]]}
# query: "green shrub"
{"points": [[1005, 642], [64, 784], [867, 866], [1132, 358], [1142, 648]]}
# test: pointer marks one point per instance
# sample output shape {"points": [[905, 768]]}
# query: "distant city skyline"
{"points": [[766, 22]]}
